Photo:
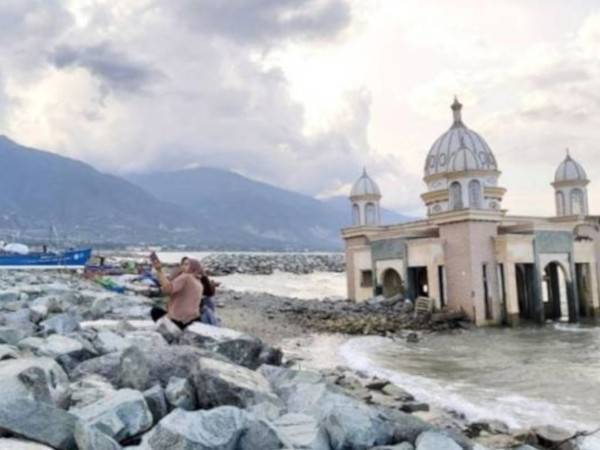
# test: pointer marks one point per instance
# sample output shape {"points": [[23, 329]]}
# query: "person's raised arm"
{"points": [[166, 286]]}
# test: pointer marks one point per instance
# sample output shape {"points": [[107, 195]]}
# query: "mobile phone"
{"points": [[154, 257]]}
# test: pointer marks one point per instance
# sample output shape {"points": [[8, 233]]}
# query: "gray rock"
{"points": [[64, 323], [217, 429], [123, 415], [90, 438], [180, 394], [38, 313], [260, 434], [9, 296], [38, 422], [108, 341], [402, 446], [238, 347], [267, 410], [301, 432], [11, 335], [551, 435], [89, 390], [40, 379], [8, 352], [431, 440], [221, 383], [397, 393], [134, 370], [19, 444], [157, 402]]}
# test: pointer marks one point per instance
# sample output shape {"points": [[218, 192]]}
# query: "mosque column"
{"points": [[512, 296], [595, 289], [433, 281]]}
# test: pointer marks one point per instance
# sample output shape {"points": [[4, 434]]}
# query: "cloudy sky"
{"points": [[303, 93]]}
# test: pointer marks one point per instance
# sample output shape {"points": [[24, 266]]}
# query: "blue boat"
{"points": [[69, 259]]}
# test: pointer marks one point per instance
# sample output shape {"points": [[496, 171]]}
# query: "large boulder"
{"points": [[8, 352], [240, 348], [89, 390], [223, 428], [91, 438], [122, 415], [221, 383], [64, 323], [38, 422], [107, 341], [157, 402], [12, 334], [302, 432], [180, 394], [159, 364], [40, 379], [431, 440]]}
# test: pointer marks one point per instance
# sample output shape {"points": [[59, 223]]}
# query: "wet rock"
{"points": [[38, 422], [122, 415], [157, 402], [552, 436], [180, 394], [218, 428], [377, 384], [301, 432], [90, 438], [60, 324], [40, 379], [412, 338], [412, 407], [398, 393], [220, 383], [431, 440]]}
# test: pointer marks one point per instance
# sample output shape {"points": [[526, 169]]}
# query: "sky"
{"points": [[303, 94]]}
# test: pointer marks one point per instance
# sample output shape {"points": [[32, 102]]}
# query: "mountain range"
{"points": [[204, 208]]}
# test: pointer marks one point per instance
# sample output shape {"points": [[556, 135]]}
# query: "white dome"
{"points": [[365, 186], [570, 170], [459, 149]]}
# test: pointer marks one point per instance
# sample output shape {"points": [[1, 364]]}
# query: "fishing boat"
{"points": [[19, 257]]}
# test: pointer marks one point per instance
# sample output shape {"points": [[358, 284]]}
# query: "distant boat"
{"points": [[69, 259]]}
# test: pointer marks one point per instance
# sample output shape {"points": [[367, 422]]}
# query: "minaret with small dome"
{"points": [[570, 187], [461, 171], [365, 197]]}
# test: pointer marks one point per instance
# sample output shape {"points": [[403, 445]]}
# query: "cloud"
{"points": [[264, 21], [115, 70]]}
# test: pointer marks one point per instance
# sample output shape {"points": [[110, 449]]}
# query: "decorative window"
{"points": [[366, 278], [355, 214], [577, 205], [560, 204], [371, 214], [475, 194], [456, 201]]}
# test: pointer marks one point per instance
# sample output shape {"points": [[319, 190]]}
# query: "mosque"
{"points": [[469, 254]]}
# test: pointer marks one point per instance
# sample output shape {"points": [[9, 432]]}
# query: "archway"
{"points": [[475, 194], [555, 294], [456, 201], [577, 205], [392, 283], [371, 214]]}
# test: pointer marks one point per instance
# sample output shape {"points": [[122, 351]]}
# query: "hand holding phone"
{"points": [[155, 261]]}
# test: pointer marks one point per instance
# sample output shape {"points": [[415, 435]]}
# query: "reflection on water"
{"points": [[522, 376]]}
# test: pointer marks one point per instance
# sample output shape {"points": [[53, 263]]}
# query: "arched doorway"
{"points": [[555, 292], [392, 283]]}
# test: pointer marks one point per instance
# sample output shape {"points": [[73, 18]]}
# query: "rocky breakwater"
{"points": [[72, 379], [219, 264]]}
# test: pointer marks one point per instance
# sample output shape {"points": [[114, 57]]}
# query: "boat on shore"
{"points": [[67, 259]]}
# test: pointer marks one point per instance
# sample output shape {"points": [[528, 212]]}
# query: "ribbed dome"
{"points": [[365, 186], [459, 149], [570, 170]]}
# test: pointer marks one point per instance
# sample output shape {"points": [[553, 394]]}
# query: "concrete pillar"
{"points": [[434, 284], [512, 293]]}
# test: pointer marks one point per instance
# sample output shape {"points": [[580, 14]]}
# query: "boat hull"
{"points": [[70, 259]]}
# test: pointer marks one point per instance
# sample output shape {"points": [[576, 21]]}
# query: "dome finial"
{"points": [[364, 174], [568, 153], [456, 111]]}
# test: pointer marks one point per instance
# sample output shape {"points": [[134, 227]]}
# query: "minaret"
{"points": [[365, 197], [570, 189]]}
